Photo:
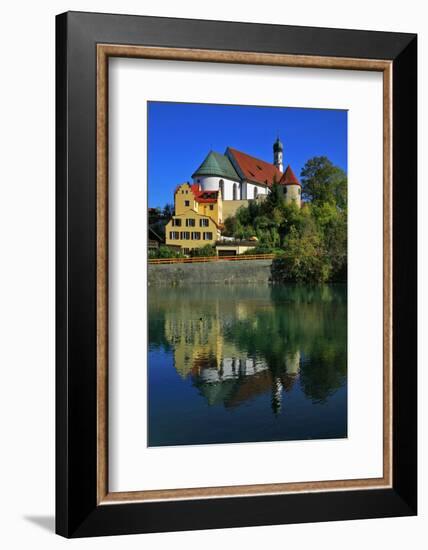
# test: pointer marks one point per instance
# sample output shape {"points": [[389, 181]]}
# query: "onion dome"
{"points": [[277, 146]]}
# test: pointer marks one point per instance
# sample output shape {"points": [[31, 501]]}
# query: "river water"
{"points": [[243, 363]]}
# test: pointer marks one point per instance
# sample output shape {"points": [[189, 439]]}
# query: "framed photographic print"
{"points": [[236, 274]]}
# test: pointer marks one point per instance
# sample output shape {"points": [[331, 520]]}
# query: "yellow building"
{"points": [[197, 218]]}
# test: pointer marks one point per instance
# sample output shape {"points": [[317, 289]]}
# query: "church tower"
{"points": [[291, 187], [278, 151]]}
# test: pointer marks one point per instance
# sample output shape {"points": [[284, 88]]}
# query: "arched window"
{"points": [[256, 192], [235, 192], [221, 187]]}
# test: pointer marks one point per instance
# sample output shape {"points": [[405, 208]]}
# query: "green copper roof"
{"points": [[216, 164]]}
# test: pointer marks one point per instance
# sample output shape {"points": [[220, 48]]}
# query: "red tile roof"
{"points": [[203, 196], [289, 178], [254, 169], [204, 200]]}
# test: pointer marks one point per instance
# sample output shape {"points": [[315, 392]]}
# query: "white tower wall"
{"points": [[278, 160], [292, 193]]}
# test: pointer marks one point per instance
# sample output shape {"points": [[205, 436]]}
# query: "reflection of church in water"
{"points": [[223, 373]]}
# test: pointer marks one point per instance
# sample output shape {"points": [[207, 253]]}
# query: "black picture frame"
{"points": [[77, 512]]}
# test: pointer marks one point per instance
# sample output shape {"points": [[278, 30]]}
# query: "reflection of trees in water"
{"points": [[323, 374], [239, 342], [313, 323]]}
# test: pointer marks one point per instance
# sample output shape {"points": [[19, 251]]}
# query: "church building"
{"points": [[221, 185]]}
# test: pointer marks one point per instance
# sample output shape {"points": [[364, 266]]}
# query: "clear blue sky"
{"points": [[180, 135]]}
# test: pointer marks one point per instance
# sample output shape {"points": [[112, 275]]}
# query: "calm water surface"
{"points": [[241, 363]]}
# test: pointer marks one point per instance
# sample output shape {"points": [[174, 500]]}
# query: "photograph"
{"points": [[247, 273]]}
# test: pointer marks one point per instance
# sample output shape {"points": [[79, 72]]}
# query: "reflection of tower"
{"points": [[285, 380], [276, 395], [292, 363], [292, 370]]}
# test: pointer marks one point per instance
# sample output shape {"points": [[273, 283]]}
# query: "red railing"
{"points": [[157, 261]]}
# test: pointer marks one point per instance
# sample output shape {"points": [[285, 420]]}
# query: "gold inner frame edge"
{"points": [[104, 51]]}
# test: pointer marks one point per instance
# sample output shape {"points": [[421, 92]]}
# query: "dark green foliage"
{"points": [[263, 248], [164, 252], [155, 214], [204, 251], [304, 260], [158, 228], [275, 197], [158, 218], [168, 211], [323, 182]]}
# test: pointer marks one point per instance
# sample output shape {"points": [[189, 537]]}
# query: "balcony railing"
{"points": [[157, 261]]}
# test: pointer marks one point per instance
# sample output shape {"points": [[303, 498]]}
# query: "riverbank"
{"points": [[219, 272]]}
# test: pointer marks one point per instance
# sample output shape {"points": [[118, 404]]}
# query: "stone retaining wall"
{"points": [[219, 272]]}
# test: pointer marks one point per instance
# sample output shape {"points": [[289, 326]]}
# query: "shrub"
{"points": [[304, 260], [207, 250], [165, 252]]}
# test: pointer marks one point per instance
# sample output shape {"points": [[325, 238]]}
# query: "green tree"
{"points": [[332, 223], [323, 182], [292, 216], [304, 259], [275, 197], [168, 211], [231, 226]]}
